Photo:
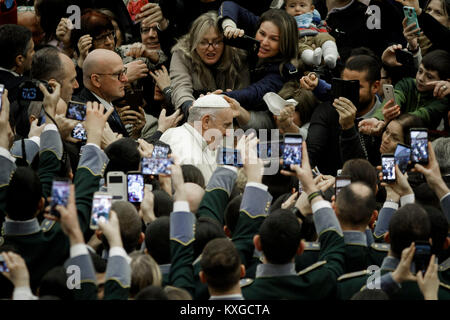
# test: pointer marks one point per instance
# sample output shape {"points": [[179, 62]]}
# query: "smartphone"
{"points": [[245, 42], [388, 90], [3, 266], [79, 132], [422, 256], [411, 16], [156, 166], [160, 151], [135, 187], [292, 150], [228, 156], [101, 205], [419, 145], [134, 99], [388, 167], [402, 156], [341, 182], [41, 120], [116, 185], [345, 88], [2, 90], [404, 57], [60, 194], [76, 111]]}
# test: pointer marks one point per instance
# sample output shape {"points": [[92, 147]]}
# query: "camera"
{"points": [[29, 90]]}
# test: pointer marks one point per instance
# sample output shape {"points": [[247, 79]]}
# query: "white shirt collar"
{"points": [[10, 71], [107, 105]]}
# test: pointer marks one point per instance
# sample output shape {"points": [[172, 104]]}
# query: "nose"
{"points": [[265, 41], [76, 85], [153, 33], [124, 78]]}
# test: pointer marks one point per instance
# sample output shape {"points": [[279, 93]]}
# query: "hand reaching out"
{"points": [[111, 229], [309, 82], [372, 126], [161, 77], [232, 32], [95, 122], [18, 272]]}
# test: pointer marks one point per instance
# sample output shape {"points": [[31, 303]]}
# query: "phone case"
{"points": [[411, 16], [345, 88], [388, 91]]}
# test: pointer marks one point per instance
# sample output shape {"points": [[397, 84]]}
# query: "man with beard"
{"points": [[333, 136]]}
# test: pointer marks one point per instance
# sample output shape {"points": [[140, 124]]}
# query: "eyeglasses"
{"points": [[147, 29], [205, 44], [102, 38], [119, 75]]}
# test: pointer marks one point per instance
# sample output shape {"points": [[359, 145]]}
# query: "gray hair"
{"points": [[197, 113], [441, 147]]}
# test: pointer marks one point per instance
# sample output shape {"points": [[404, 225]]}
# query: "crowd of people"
{"points": [[112, 167]]}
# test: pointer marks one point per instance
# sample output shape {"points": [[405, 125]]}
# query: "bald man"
{"points": [[104, 79]]}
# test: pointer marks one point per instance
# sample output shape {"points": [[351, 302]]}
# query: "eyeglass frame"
{"points": [[155, 28], [215, 44], [119, 75], [105, 36]]}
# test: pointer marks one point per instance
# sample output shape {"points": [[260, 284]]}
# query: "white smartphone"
{"points": [[117, 185], [388, 90]]}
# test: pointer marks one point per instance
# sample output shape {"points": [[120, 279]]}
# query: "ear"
{"points": [[206, 119], [375, 86], [19, 60], [41, 205], [257, 242], [387, 238], [446, 243], [202, 277], [373, 218], [333, 203], [227, 231], [141, 238], [301, 247], [32, 118], [95, 80]]}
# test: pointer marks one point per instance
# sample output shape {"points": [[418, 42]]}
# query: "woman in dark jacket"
{"points": [[275, 61]]}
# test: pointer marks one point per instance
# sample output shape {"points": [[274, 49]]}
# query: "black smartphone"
{"points": [[245, 42], [228, 156], [76, 111], [79, 132], [419, 145], [60, 194], [345, 88], [422, 256], [3, 266], [341, 182], [134, 99], [156, 166], [402, 156], [101, 205], [160, 151], [388, 168], [404, 57], [2, 90], [292, 150], [135, 187]]}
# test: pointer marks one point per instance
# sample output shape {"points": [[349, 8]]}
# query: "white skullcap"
{"points": [[277, 103], [211, 101]]}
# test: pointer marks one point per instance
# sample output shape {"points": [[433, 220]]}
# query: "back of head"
{"points": [[130, 224], [193, 174], [441, 148], [14, 41], [231, 214], [361, 170], [372, 294], [174, 293], [47, 65], [94, 23], [54, 283], [305, 98], [439, 229], [410, 223], [365, 63], [144, 272], [152, 293], [206, 229], [157, 240], [221, 264], [123, 156], [163, 203], [355, 204], [438, 60], [280, 236], [23, 195], [50, 13]]}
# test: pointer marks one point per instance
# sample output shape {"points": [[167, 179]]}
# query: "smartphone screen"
{"points": [[160, 151], [79, 132], [2, 90], [292, 150], [135, 187], [419, 145], [228, 156], [156, 166], [60, 194], [402, 157], [388, 168], [422, 256], [100, 208], [76, 111], [341, 182], [3, 266]]}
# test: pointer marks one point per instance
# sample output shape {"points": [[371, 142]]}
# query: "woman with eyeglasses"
{"points": [[202, 63]]}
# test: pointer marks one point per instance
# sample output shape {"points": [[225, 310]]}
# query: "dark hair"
{"points": [[370, 294], [280, 236], [163, 203], [408, 121], [51, 12], [130, 224], [206, 229], [14, 41], [157, 240], [175, 293], [438, 60], [23, 195], [410, 223], [123, 156], [193, 174], [98, 262], [54, 283], [361, 170], [231, 214], [307, 102], [221, 264], [365, 63], [47, 64], [356, 203], [439, 229], [152, 293]]}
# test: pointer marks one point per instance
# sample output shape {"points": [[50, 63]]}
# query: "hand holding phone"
{"points": [[230, 157], [388, 168], [292, 150], [76, 111], [411, 16], [422, 256], [419, 145], [341, 182], [3, 266], [402, 156], [60, 194], [135, 187], [79, 132], [388, 91], [101, 205]]}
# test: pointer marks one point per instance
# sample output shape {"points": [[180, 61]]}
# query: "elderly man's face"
{"points": [[223, 121], [113, 79], [69, 83]]}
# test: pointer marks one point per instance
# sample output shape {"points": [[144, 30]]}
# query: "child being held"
{"points": [[312, 31]]}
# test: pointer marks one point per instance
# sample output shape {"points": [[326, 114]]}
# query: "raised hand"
{"points": [[84, 44], [95, 122], [372, 126], [167, 122], [347, 112], [161, 77], [231, 32], [391, 110]]}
